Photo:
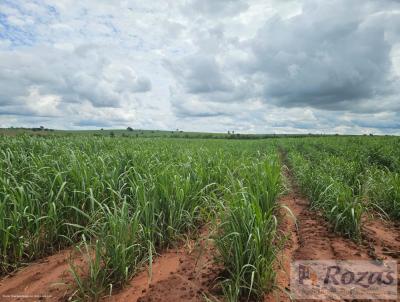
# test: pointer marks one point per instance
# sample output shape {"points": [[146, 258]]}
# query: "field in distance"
{"points": [[99, 215]]}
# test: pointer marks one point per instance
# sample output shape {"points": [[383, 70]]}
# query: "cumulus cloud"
{"points": [[255, 66], [339, 56], [73, 76], [333, 55]]}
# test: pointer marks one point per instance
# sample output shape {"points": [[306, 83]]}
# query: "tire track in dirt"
{"points": [[288, 231], [186, 274], [46, 280], [312, 239], [383, 236], [383, 239]]}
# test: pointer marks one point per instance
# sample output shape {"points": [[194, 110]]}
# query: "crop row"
{"points": [[348, 177], [121, 201], [247, 232]]}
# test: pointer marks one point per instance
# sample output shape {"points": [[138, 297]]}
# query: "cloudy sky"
{"points": [[253, 66]]}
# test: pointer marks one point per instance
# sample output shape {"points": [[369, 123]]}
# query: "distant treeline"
{"points": [[132, 133], [41, 128]]}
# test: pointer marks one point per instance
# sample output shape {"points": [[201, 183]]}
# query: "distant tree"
{"points": [[129, 129], [229, 132], [101, 129], [112, 134], [41, 127]]}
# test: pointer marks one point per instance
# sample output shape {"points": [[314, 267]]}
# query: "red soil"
{"points": [[186, 274], [310, 237], [383, 238], [46, 280], [190, 273], [288, 229]]}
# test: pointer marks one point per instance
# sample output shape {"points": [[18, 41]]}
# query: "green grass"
{"points": [[347, 177], [121, 200], [247, 241]]}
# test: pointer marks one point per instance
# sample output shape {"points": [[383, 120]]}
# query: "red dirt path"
{"points": [[187, 274], [45, 280], [310, 237]]}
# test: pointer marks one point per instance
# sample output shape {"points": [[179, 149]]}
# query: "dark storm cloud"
{"points": [[15, 110], [379, 124], [331, 56]]}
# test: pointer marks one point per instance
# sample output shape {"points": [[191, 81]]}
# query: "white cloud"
{"points": [[255, 66]]}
